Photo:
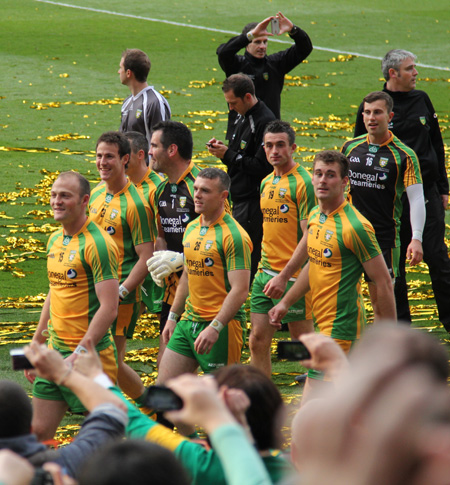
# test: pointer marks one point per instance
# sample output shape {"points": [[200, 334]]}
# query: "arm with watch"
{"points": [[239, 281]]}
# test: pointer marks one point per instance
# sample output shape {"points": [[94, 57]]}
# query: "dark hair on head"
{"points": [[249, 27], [176, 133], [266, 404], [135, 462], [15, 410], [213, 173], [240, 84], [137, 62], [332, 156], [137, 142], [83, 182], [116, 138], [376, 95], [278, 126], [393, 59]]}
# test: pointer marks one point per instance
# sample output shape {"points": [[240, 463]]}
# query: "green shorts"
{"points": [[152, 295], [260, 303], [227, 350], [126, 319]]}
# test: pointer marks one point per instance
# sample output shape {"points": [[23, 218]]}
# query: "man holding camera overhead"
{"points": [[266, 71]]}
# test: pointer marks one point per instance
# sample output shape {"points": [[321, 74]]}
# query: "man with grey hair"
{"points": [[415, 123]]}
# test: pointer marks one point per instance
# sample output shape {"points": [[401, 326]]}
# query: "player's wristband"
{"points": [[123, 292], [216, 325], [250, 36], [173, 316], [80, 350]]}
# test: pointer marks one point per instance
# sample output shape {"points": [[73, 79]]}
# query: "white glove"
{"points": [[164, 263]]}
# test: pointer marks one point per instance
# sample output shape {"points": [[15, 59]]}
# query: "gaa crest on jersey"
{"points": [[243, 144], [72, 274], [109, 198], [209, 262], [282, 193], [183, 201], [423, 120], [138, 113], [72, 255], [208, 245], [203, 230], [328, 235], [114, 213], [384, 162], [266, 76], [322, 218], [66, 240]]}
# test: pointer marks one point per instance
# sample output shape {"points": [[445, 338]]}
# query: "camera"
{"points": [[275, 26], [161, 398], [19, 361], [292, 350]]}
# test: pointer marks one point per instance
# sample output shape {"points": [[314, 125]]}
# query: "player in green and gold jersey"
{"points": [[287, 197], [82, 301], [341, 245]]}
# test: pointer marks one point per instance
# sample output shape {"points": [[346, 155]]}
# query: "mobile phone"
{"points": [[292, 350], [19, 361], [275, 26], [161, 398], [209, 145]]}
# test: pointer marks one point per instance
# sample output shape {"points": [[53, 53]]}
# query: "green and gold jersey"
{"points": [[210, 253], [338, 244], [148, 186], [74, 265], [379, 175], [285, 201], [125, 216]]}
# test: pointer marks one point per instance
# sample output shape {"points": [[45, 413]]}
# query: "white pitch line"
{"points": [[211, 29]]}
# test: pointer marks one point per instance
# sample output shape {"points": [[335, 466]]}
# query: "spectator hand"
{"points": [[89, 363], [48, 363], [326, 355], [201, 402]]}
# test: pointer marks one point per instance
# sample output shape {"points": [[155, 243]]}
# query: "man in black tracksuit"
{"points": [[415, 123], [245, 157], [266, 72]]}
